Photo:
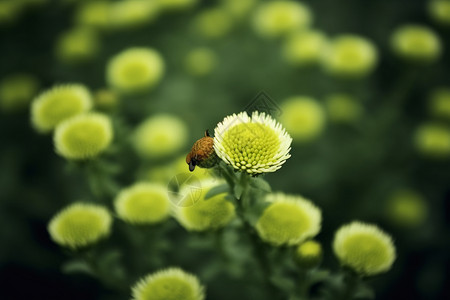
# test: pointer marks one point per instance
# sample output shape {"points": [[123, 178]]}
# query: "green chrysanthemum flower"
{"points": [[288, 220], [160, 136], [135, 69], [416, 43], [407, 208], [84, 136], [80, 225], [308, 254], [132, 13], [433, 140], [143, 203], [95, 14], [350, 56], [276, 18], [200, 61], [343, 108], [238, 8], [304, 47], [77, 45], [303, 117], [196, 213], [59, 103], [439, 103], [213, 23], [168, 284], [256, 144], [440, 11], [364, 248], [17, 91]]}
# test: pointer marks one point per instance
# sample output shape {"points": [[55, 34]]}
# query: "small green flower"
{"points": [[80, 225], [288, 220], [200, 61], [168, 284], [303, 117], [83, 136], [93, 14], [77, 45], [17, 91], [343, 108], [440, 11], [439, 103], [213, 23], [416, 43], [160, 136], [364, 248], [135, 69], [126, 14], [407, 208], [304, 47], [350, 56], [433, 140], [143, 203], [106, 100], [59, 103], [195, 213], [239, 9], [308, 254], [256, 144], [276, 18]]}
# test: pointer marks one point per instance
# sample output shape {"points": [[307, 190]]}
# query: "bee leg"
{"points": [[192, 165]]}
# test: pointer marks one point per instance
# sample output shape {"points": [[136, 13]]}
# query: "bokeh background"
{"points": [[371, 144]]}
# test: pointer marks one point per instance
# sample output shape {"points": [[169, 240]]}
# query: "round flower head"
{"points": [[256, 144], [77, 45], [433, 140], [80, 225], [343, 108], [59, 103], [308, 254], [160, 136], [95, 14], [288, 220], [213, 23], [168, 284], [439, 103], [350, 56], [127, 14], [406, 208], [440, 11], [303, 117], [304, 47], [195, 213], [106, 100], [364, 248], [17, 91], [84, 136], [135, 69], [238, 8], [200, 61], [143, 203], [416, 43], [277, 18]]}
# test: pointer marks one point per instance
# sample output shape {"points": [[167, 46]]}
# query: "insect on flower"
{"points": [[202, 153]]}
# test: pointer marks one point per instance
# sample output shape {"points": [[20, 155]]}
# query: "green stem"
{"points": [[351, 281]]}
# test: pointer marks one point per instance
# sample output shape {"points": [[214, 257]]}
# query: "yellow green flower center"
{"points": [[169, 288]]}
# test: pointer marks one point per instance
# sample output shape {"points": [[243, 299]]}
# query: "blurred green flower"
{"points": [[200, 61], [126, 14], [350, 56], [80, 225], [10, 10], [433, 140], [143, 203], [213, 23], [406, 208], [303, 117], [256, 144], [135, 69], [17, 91], [343, 108], [59, 103], [364, 247], [106, 100], [160, 136], [439, 103], [308, 254], [94, 14], [288, 220], [195, 213], [416, 43], [77, 45], [440, 11], [83, 136], [238, 8], [304, 47], [276, 18], [168, 284]]}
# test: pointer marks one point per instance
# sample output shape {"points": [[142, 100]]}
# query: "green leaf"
{"points": [[260, 184], [316, 276], [238, 190], [220, 189], [77, 266]]}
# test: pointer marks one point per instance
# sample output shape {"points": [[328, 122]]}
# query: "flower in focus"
{"points": [[406, 208], [439, 103], [288, 220], [440, 11], [200, 61], [433, 140], [83, 136], [364, 247], [168, 284], [195, 213], [304, 47], [80, 225], [17, 91], [308, 254], [213, 23], [303, 117], [350, 56], [143, 203], [416, 43], [59, 103], [77, 45], [276, 18], [135, 69], [254, 144], [160, 136], [343, 108]]}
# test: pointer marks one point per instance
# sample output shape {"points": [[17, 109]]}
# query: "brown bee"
{"points": [[202, 153]]}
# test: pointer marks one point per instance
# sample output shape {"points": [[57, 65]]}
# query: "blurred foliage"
{"points": [[216, 63]]}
